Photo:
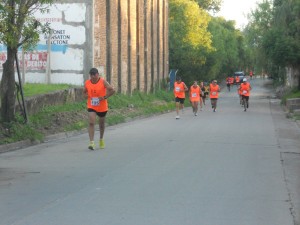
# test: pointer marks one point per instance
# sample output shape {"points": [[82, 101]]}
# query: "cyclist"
{"points": [[195, 96], [245, 89]]}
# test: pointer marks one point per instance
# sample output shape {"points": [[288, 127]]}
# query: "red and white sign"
{"points": [[33, 61]]}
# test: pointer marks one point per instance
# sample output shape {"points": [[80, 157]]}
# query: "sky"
{"points": [[237, 10]]}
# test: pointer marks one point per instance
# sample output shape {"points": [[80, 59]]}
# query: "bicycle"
{"points": [[245, 103]]}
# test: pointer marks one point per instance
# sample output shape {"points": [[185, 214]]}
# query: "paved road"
{"points": [[225, 168]]}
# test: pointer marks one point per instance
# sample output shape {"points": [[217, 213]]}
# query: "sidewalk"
{"points": [[288, 138]]}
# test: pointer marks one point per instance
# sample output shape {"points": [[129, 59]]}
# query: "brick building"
{"points": [[127, 40], [130, 42]]}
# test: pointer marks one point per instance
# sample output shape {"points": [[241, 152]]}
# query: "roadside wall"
{"points": [[65, 55], [127, 40], [36, 103]]}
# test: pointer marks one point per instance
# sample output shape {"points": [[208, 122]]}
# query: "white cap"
{"points": [[244, 79]]}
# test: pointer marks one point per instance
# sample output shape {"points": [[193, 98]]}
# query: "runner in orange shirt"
{"points": [[231, 80], [97, 90], [195, 96], [179, 91], [214, 90], [237, 80], [251, 74], [228, 83]]}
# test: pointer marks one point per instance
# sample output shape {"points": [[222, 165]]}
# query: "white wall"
{"points": [[68, 45]]}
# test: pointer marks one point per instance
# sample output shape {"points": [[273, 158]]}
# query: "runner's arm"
{"points": [[185, 87], [109, 90]]}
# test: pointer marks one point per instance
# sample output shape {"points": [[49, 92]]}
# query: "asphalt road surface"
{"points": [[225, 168]]}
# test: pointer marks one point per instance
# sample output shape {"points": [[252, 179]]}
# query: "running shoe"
{"points": [[177, 117], [196, 114], [91, 145], [101, 144]]}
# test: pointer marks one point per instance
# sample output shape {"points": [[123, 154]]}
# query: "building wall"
{"points": [[69, 54], [127, 40], [130, 42]]}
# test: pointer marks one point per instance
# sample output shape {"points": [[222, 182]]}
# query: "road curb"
{"points": [[27, 143], [63, 135]]}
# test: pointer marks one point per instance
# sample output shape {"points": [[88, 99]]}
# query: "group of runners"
{"points": [[230, 81], [199, 93], [97, 91]]}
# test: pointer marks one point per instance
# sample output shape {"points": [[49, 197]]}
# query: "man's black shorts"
{"points": [[181, 100], [100, 114]]}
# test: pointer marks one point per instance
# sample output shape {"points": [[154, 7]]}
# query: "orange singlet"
{"points": [[179, 90], [214, 91], [245, 89], [94, 91], [195, 93]]}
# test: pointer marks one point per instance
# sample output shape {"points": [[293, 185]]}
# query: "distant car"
{"points": [[241, 75]]}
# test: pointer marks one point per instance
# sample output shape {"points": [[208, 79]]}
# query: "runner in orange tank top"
{"points": [[214, 90], [97, 90], [179, 91], [195, 96]]}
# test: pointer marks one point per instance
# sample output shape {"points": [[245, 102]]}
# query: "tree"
{"points": [[18, 27], [210, 5], [229, 54], [281, 43], [259, 23], [189, 37], [274, 34]]}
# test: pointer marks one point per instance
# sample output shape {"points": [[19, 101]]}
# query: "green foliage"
{"points": [[259, 23], [17, 131], [17, 24], [203, 47], [188, 37], [36, 89], [274, 35], [294, 93], [229, 44], [211, 5], [18, 28], [286, 27], [122, 107], [76, 126]]}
